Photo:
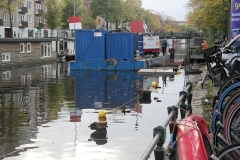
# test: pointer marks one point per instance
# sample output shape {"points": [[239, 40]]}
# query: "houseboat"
{"points": [[17, 51]]}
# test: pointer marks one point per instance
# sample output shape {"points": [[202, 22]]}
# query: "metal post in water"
{"points": [[159, 151], [189, 98]]}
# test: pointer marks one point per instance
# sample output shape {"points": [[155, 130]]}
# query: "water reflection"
{"points": [[100, 133], [49, 113], [97, 90], [26, 102]]}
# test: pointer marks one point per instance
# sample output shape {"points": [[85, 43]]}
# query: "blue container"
{"points": [[121, 46], [90, 45], [140, 45]]}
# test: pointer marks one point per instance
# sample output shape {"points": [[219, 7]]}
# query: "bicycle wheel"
{"points": [[214, 104], [229, 153], [218, 144], [232, 124], [226, 95], [218, 75], [228, 82], [229, 105]]}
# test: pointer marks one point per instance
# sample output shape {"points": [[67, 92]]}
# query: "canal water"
{"points": [[48, 112]]}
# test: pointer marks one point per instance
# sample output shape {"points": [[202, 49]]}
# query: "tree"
{"points": [[88, 22], [68, 10], [131, 10], [52, 15], [110, 10], [212, 17], [157, 22], [116, 11], [10, 6]]}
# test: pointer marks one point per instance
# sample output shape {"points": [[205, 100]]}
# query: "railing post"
{"points": [[172, 127], [173, 109], [183, 106], [189, 98], [159, 151]]}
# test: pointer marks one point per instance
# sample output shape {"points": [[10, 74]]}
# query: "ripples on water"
{"points": [[46, 112]]}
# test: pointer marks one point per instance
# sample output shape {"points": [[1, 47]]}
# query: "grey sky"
{"points": [[174, 8]]}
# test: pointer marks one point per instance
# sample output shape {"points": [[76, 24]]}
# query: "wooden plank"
{"points": [[152, 72]]}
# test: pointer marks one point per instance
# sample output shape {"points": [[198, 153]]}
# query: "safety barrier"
{"points": [[159, 132]]}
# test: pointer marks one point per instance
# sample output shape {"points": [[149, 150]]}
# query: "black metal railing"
{"points": [[160, 131]]}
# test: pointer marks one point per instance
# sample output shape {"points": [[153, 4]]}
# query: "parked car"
{"points": [[232, 50]]}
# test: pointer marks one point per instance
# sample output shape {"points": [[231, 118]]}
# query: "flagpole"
{"points": [[74, 15], [74, 29]]}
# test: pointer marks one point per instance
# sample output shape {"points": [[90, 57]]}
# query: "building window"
{"points": [[21, 47], [20, 5], [12, 17], [29, 18], [42, 50], [29, 5], [46, 71], [49, 50], [4, 16], [29, 79], [38, 20], [23, 79], [38, 6], [28, 47], [30, 33], [46, 49], [21, 17], [6, 57], [6, 75]]}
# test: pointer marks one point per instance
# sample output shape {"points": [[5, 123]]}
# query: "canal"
{"points": [[48, 112]]}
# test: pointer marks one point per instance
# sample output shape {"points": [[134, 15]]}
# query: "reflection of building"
{"points": [[22, 106]]}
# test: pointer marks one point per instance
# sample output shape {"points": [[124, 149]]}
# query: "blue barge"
{"points": [[104, 50]]}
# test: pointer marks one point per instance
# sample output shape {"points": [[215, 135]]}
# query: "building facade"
{"points": [[26, 21]]}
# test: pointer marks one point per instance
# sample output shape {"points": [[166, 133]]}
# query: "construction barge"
{"points": [[105, 50]]}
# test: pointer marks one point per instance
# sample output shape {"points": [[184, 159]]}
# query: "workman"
{"points": [[204, 45]]}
